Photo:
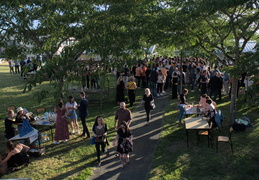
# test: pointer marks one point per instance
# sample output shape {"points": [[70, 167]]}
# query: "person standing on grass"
{"points": [[100, 134], [61, 131], [9, 122], [203, 82], [16, 66], [83, 113], [11, 65], [131, 90], [182, 103], [147, 100], [174, 82], [125, 144], [71, 107], [122, 114]]}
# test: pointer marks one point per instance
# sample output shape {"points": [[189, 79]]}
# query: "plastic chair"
{"points": [[40, 110], [12, 107], [226, 139]]}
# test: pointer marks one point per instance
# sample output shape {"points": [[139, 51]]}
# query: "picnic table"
{"points": [[30, 137], [50, 123], [192, 110], [195, 123]]}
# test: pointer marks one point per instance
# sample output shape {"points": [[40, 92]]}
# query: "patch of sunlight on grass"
{"points": [[171, 112], [224, 104]]}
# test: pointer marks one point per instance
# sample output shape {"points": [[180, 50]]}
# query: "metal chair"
{"points": [[205, 133], [226, 139], [40, 110], [12, 107]]}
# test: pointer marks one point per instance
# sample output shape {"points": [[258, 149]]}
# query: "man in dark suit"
{"points": [[83, 113]]}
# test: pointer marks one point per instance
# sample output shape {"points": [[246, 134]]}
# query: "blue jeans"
{"points": [[153, 89], [182, 112]]}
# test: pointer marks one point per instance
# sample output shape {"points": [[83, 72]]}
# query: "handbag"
{"points": [[152, 105], [92, 142]]}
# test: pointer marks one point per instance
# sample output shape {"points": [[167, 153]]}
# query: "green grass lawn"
{"points": [[172, 160], [71, 160]]}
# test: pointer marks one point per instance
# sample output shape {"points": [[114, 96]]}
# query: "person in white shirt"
{"points": [[71, 107]]}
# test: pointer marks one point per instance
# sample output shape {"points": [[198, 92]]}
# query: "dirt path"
{"points": [[145, 139]]}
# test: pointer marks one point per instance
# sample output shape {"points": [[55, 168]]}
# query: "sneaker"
{"points": [[163, 92], [78, 132], [56, 142], [158, 95], [65, 141], [192, 90]]}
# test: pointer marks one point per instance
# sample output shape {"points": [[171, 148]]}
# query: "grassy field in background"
{"points": [[172, 159]]}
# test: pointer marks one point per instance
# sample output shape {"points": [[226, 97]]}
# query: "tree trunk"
{"points": [[234, 90], [181, 72]]}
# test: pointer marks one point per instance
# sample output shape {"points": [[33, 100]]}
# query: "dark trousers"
{"points": [[138, 80], [159, 87], [214, 92], [85, 129], [131, 94], [98, 151], [148, 113]]}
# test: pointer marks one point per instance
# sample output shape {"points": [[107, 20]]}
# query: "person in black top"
{"points": [[83, 113], [203, 82], [20, 117], [120, 97], [153, 82], [174, 81], [16, 155], [9, 129], [181, 105], [125, 143], [147, 100]]}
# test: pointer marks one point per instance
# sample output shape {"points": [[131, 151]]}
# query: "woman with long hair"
{"points": [[124, 140], [120, 97], [71, 107], [16, 155], [61, 133], [147, 100], [9, 129], [100, 133]]}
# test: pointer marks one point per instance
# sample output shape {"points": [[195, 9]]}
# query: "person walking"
{"points": [[71, 107], [147, 100], [122, 114], [100, 135], [61, 131], [125, 144], [182, 103], [83, 113]]}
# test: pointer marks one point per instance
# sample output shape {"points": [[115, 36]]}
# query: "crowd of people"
{"points": [[19, 67], [156, 76]]}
